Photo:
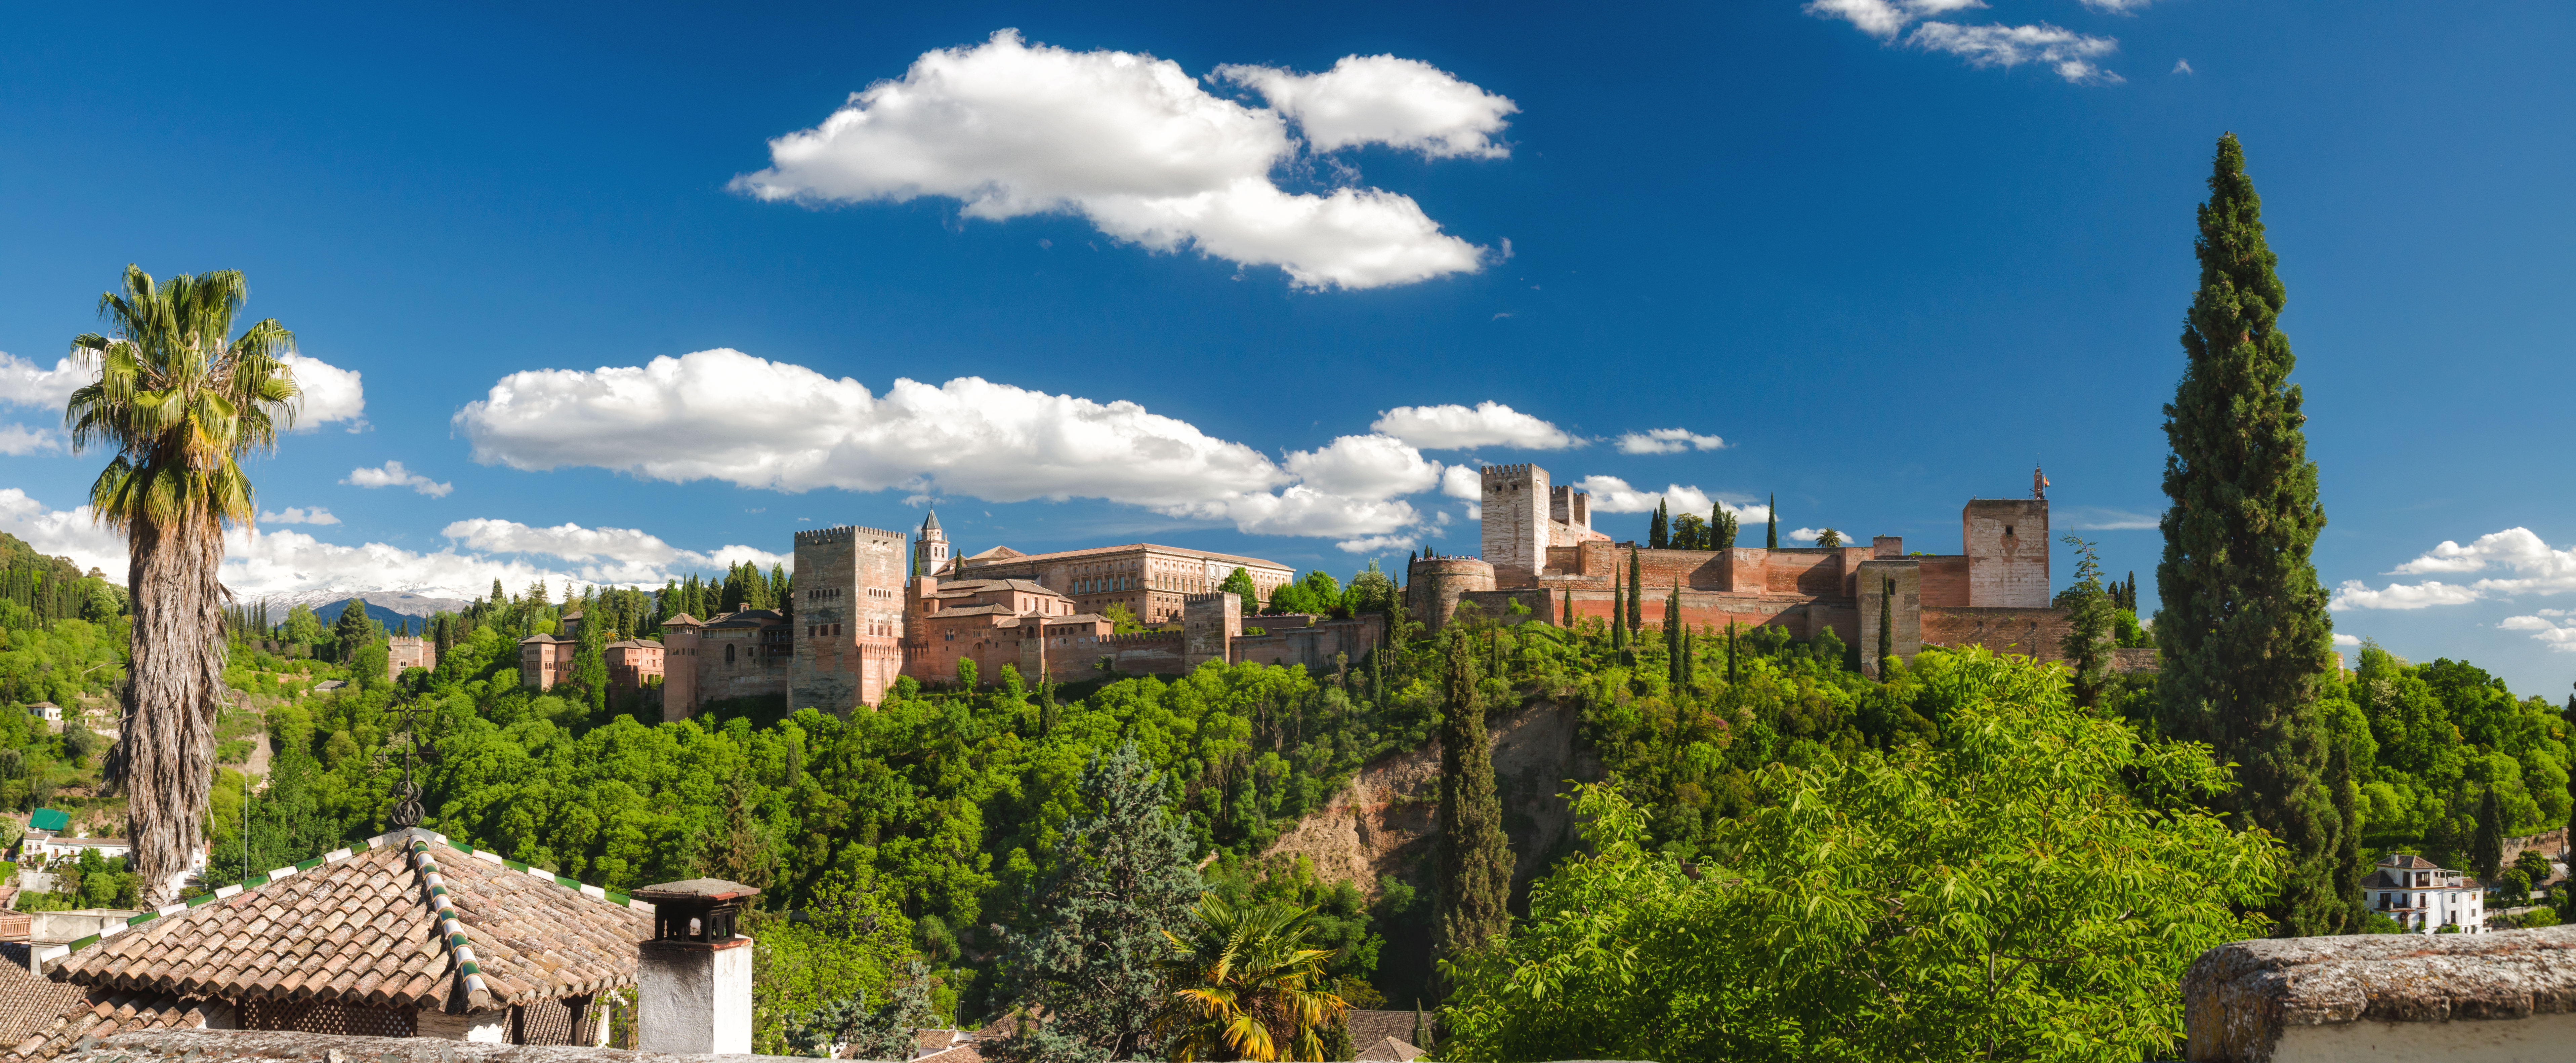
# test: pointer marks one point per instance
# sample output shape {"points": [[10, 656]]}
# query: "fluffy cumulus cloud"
{"points": [[392, 474], [1667, 441], [1381, 99], [1611, 494], [1141, 149], [294, 515], [2341, 639], [1461, 482], [23, 383], [330, 392], [1486, 424], [2070, 54], [2554, 633], [2523, 562], [678, 419], [1812, 534], [18, 440], [280, 563]]}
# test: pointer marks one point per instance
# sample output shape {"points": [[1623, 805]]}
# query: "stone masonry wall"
{"points": [[1905, 622], [2029, 632], [848, 617], [1515, 523], [2007, 548]]}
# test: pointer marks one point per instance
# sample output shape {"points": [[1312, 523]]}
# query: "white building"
{"points": [[2424, 898]]}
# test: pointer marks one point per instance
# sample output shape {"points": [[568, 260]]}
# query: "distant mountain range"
{"points": [[386, 606]]}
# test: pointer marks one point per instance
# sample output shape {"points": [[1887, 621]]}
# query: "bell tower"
{"points": [[930, 548]]}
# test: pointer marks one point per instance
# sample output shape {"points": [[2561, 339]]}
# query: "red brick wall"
{"points": [[1814, 573], [2025, 631], [1945, 581]]}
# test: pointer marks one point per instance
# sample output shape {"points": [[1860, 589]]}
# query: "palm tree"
{"points": [[1250, 985], [180, 403]]}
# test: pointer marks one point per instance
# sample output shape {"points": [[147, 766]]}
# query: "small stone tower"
{"points": [[930, 549]]}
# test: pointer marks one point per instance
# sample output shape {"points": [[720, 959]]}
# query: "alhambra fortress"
{"points": [[872, 605]]}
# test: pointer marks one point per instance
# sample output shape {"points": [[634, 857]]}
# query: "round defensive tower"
{"points": [[1432, 587]]}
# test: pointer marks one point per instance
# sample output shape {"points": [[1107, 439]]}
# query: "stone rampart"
{"points": [[2458, 998], [1434, 585], [2030, 632]]}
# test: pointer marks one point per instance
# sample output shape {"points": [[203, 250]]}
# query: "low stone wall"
{"points": [[2466, 998], [245, 1046]]}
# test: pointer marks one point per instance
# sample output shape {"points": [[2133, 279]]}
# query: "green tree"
{"points": [[1636, 595], [1247, 985], [2089, 623], [1123, 873], [2486, 846], [353, 629], [1373, 591], [1829, 539], [1239, 584], [1690, 532], [1721, 528], [589, 676], [2243, 622], [1659, 527], [180, 400], [1771, 532], [2033, 887], [1618, 609], [1475, 858]]}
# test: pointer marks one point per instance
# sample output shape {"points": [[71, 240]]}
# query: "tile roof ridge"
{"points": [[451, 933]]}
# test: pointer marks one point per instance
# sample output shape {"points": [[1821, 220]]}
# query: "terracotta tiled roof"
{"points": [[682, 620], [363, 928], [1389, 1048], [39, 1019]]}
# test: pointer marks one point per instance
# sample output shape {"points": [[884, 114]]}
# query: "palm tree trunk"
{"points": [[165, 752]]}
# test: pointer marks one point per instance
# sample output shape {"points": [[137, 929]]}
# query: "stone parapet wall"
{"points": [[2030, 632], [2464, 998]]}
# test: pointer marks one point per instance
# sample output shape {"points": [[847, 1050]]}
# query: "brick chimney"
{"points": [[693, 992]]}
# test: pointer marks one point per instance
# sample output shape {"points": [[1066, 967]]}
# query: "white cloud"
{"points": [[1611, 494], [679, 419], [2553, 634], [291, 515], [2356, 595], [1667, 441], [18, 440], [1370, 466], [1810, 535], [277, 563], [2098, 518], [392, 474], [2182, 66], [2117, 7], [2537, 569], [1455, 427], [1883, 18], [1475, 511], [1380, 99], [2067, 52], [23, 384], [330, 394], [572, 542], [1459, 481], [1380, 544], [1134, 144], [2341, 639]]}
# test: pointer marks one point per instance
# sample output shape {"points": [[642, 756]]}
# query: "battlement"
{"points": [[1507, 472], [842, 534], [1139, 638]]}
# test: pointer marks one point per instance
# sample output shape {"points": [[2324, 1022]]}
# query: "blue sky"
{"points": [[1891, 253]]}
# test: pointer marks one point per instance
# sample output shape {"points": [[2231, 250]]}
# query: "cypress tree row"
{"points": [[2243, 619], [1475, 858], [1721, 528], [1771, 537], [1659, 529]]}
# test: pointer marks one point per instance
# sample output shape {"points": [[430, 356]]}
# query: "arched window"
{"points": [[728, 653]]}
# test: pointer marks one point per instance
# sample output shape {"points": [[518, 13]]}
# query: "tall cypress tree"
{"points": [[2348, 867], [2243, 620], [1676, 660], [1569, 610], [1659, 529], [1475, 858], [1636, 595], [1619, 626], [1721, 528], [2486, 845], [1771, 537]]}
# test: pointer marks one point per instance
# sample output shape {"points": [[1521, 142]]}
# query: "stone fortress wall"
{"points": [[1993, 593]]}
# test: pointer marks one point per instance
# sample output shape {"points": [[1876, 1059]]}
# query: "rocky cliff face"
{"points": [[1386, 821]]}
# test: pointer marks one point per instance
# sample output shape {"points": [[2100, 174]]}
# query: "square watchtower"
{"points": [[848, 617]]}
